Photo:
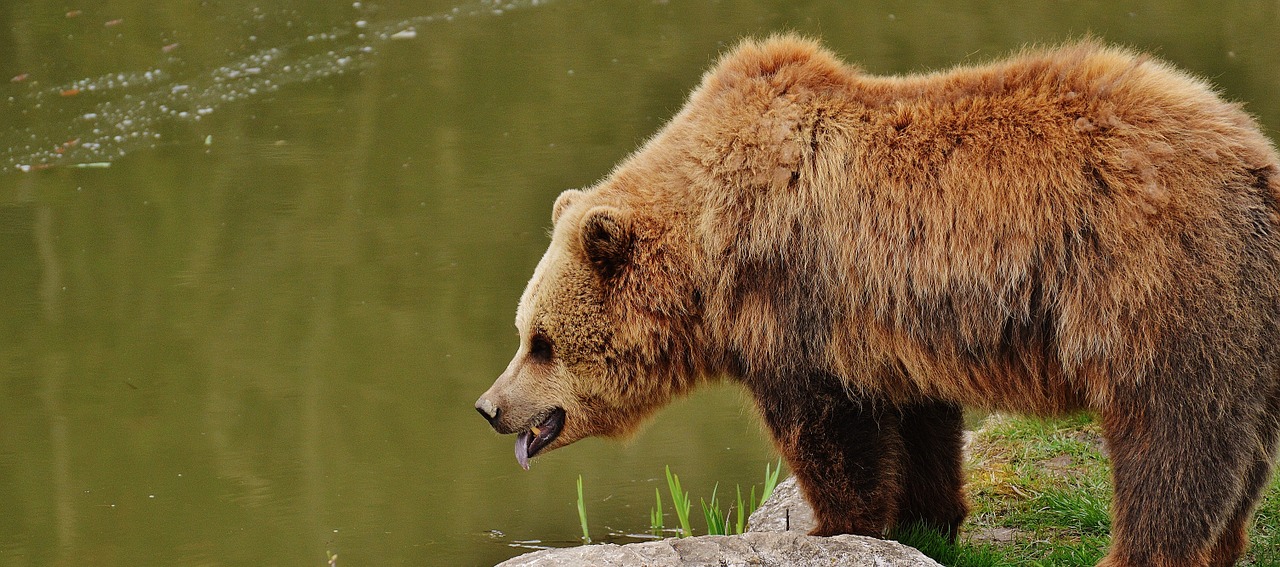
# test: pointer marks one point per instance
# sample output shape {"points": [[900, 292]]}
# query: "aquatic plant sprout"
{"points": [[655, 513], [139, 102], [582, 513], [717, 522], [770, 482], [679, 501]]}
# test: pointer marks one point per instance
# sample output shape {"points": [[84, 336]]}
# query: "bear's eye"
{"points": [[540, 348]]}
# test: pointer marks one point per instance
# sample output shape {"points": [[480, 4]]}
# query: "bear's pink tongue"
{"points": [[534, 439], [522, 448]]}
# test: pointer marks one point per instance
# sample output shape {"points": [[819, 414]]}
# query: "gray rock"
{"points": [[786, 509], [756, 549], [776, 536]]}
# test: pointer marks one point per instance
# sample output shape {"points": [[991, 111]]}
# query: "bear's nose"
{"points": [[488, 410]]}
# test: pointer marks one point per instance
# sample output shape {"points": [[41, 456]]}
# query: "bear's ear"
{"points": [[607, 239], [563, 202]]}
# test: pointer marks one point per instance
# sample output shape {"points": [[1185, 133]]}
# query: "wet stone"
{"points": [[765, 549], [776, 537]]}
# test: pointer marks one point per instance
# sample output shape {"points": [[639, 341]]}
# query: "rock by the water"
{"points": [[776, 537], [786, 509], [757, 549]]}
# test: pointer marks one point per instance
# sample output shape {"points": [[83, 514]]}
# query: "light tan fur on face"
{"points": [[602, 373]]}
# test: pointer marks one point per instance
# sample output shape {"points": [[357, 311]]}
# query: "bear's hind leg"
{"points": [[1234, 539], [933, 475], [1178, 478], [846, 453]]}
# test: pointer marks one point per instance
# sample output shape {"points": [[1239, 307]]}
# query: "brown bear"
{"points": [[1071, 229]]}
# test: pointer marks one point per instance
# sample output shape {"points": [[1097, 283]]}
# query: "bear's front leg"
{"points": [[846, 452], [933, 478]]}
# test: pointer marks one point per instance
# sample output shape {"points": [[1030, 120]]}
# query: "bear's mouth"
{"points": [[532, 440]]}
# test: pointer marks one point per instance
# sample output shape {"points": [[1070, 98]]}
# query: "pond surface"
{"points": [[260, 258]]}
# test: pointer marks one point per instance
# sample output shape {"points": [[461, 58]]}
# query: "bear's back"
{"points": [[1049, 207]]}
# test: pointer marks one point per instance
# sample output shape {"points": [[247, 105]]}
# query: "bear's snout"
{"points": [[502, 414], [489, 410]]}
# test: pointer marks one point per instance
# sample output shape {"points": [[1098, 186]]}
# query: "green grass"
{"points": [[1040, 491], [770, 482], [1265, 534], [936, 546], [741, 525], [582, 513], [679, 501], [655, 514], [717, 522], [1080, 510], [1044, 488]]}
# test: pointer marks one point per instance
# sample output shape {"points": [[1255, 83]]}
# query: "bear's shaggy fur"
{"points": [[1080, 228]]}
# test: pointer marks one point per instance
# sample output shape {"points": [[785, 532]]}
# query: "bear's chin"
{"points": [[530, 441]]}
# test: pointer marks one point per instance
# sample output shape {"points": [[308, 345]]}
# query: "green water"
{"points": [[251, 330]]}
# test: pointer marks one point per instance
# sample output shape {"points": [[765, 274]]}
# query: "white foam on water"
{"points": [[139, 102]]}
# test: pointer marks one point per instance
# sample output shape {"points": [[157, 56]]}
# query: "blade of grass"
{"points": [[770, 480], [655, 513], [582, 513], [679, 500], [741, 524], [711, 514]]}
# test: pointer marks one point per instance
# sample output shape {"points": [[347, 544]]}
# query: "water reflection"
{"points": [[266, 347]]}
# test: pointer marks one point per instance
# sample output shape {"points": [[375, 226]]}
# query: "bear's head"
{"points": [[604, 327], [654, 278]]}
